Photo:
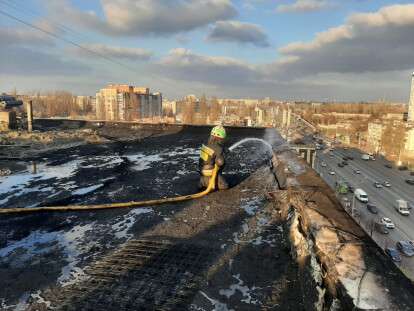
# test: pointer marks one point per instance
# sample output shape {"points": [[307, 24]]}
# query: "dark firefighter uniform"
{"points": [[211, 154]]}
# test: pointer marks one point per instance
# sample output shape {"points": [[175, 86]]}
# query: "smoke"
{"points": [[273, 137]]}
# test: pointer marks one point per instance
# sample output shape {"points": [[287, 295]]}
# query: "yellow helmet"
{"points": [[219, 131]]}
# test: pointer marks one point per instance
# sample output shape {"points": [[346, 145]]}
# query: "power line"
{"points": [[65, 40], [65, 28], [58, 25]]}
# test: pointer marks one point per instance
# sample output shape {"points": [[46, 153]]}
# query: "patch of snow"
{"points": [[32, 243], [19, 184], [183, 172], [125, 222], [40, 300], [243, 289], [250, 207], [22, 303], [371, 295], [72, 243], [191, 153], [218, 306], [262, 221], [82, 191], [142, 161], [106, 161], [257, 241], [236, 238]]}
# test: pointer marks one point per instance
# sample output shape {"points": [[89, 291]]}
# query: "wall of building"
{"points": [[8, 120], [127, 103], [411, 102]]}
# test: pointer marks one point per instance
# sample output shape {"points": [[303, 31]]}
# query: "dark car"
{"points": [[345, 158], [381, 228], [350, 158], [403, 168], [388, 165], [393, 253], [412, 173], [372, 208], [405, 248], [340, 164], [344, 162], [350, 187], [410, 181]]}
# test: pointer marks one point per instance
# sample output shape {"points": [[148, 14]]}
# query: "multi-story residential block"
{"points": [[411, 102], [85, 103], [375, 131], [127, 103], [409, 142]]}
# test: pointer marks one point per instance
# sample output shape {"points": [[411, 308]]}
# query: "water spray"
{"points": [[245, 140]]}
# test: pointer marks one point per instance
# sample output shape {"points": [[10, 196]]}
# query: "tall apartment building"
{"points": [[411, 103], [409, 140], [84, 102], [375, 131], [127, 103]]}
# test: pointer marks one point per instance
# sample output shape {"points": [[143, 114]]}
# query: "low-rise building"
{"points": [[394, 116], [8, 120]]}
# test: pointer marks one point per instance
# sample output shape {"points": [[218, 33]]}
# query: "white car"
{"points": [[323, 164], [387, 222], [357, 171], [331, 173], [386, 184], [377, 185]]}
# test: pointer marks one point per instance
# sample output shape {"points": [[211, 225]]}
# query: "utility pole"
{"points": [[29, 116]]}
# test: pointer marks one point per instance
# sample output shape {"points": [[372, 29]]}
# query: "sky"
{"points": [[342, 50]]}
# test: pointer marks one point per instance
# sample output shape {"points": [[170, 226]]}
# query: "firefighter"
{"points": [[211, 154]]}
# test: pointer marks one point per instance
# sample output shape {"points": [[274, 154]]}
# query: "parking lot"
{"points": [[364, 174]]}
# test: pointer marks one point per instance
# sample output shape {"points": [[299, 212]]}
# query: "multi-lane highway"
{"points": [[384, 198]]}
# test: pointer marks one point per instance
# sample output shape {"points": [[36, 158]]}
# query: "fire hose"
{"points": [[211, 186]]}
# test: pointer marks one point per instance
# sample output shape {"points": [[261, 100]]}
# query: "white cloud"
{"points": [[143, 17], [132, 54], [184, 64], [367, 42], [15, 60], [303, 6], [235, 31], [366, 46], [23, 36]]}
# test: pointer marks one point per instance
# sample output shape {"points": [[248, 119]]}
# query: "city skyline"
{"points": [[302, 49]]}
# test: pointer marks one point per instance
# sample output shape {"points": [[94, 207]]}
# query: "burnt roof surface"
{"points": [[222, 251]]}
